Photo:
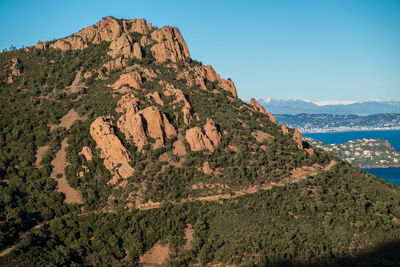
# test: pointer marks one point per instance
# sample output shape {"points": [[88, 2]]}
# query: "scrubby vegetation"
{"points": [[325, 218]]}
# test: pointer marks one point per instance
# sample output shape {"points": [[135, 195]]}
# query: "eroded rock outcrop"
{"points": [[107, 29], [272, 118], [198, 74], [180, 98], [125, 46], [261, 109], [132, 79], [138, 126], [87, 153], [208, 139], [116, 156], [257, 106], [285, 129], [155, 96], [170, 45], [15, 69], [212, 132], [114, 64], [298, 139]]}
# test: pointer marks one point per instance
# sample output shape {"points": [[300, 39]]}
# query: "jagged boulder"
{"points": [[212, 132], [155, 96], [272, 118], [208, 139], [180, 98], [138, 126], [132, 79], [15, 69], [285, 129], [116, 156], [298, 139], [116, 63], [170, 45], [257, 106], [261, 109], [87, 153], [201, 73], [125, 46]]}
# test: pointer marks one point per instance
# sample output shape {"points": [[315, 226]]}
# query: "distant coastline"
{"points": [[380, 167], [346, 129]]}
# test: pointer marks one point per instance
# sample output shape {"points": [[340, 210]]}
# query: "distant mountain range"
{"points": [[277, 106]]}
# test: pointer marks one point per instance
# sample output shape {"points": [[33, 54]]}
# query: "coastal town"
{"points": [[364, 153], [322, 123]]}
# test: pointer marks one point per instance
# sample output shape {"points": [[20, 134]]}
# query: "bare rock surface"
{"points": [[132, 79], [138, 126], [170, 45], [180, 98], [208, 139], [116, 156], [87, 153]]}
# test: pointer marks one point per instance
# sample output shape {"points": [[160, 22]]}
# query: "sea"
{"points": [[393, 136]]}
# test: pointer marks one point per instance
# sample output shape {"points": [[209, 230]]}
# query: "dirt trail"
{"points": [[297, 175], [67, 120], [15, 244], [60, 162]]}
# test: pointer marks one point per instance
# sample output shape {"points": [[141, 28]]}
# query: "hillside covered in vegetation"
{"points": [[119, 149]]}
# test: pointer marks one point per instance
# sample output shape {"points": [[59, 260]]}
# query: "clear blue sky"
{"points": [[316, 50]]}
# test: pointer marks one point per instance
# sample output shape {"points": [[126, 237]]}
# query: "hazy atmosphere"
{"points": [[314, 50]]}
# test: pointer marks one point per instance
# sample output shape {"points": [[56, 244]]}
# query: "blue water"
{"points": [[342, 137], [389, 174]]}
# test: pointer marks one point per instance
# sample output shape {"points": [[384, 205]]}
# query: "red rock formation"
{"points": [[198, 140], [257, 106], [212, 132], [285, 129], [170, 45], [155, 96], [117, 63], [132, 79], [138, 126], [87, 153], [261, 109], [158, 125], [206, 168], [180, 98], [207, 140], [125, 46], [272, 118], [116, 156], [206, 72], [15, 69], [298, 139]]}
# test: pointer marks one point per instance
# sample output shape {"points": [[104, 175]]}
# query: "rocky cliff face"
{"points": [[207, 138], [168, 41], [116, 156], [146, 91]]}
